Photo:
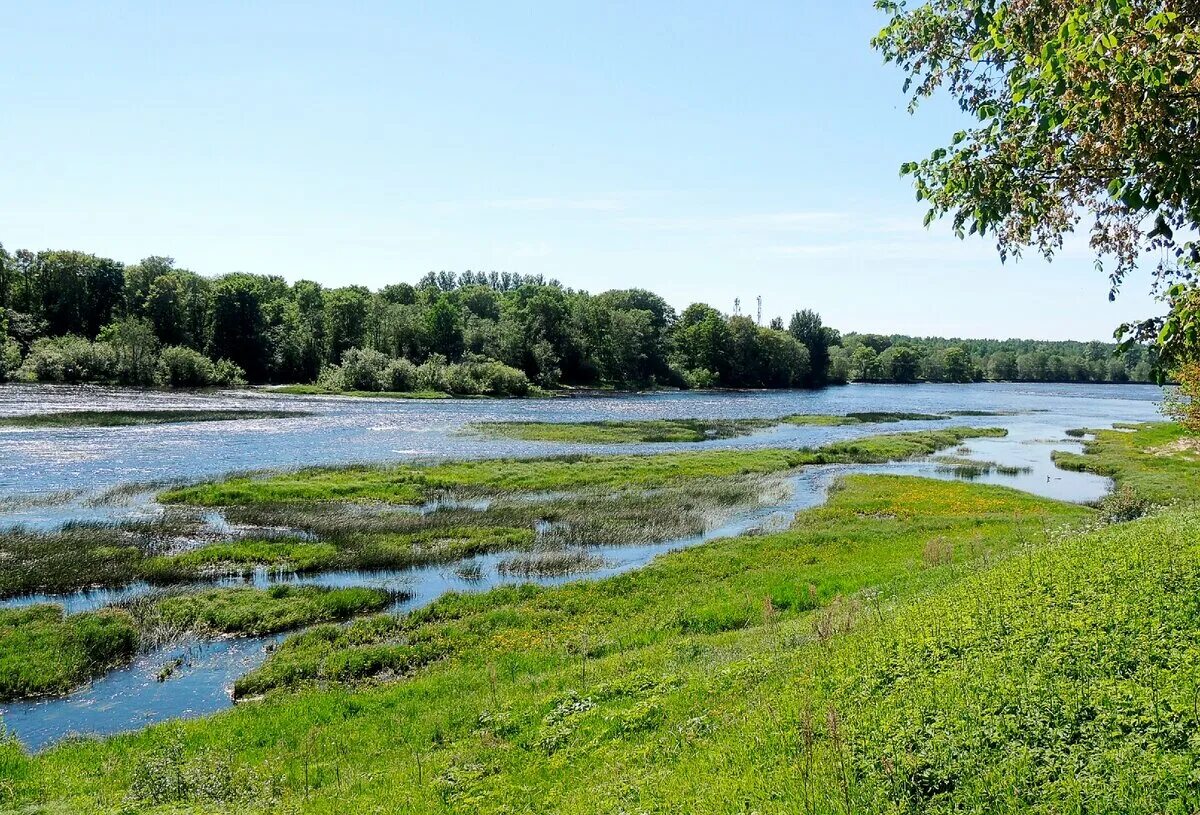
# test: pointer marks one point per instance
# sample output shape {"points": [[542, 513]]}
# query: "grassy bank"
{"points": [[129, 418], [43, 652], [913, 646], [256, 612], [1159, 461], [650, 431], [684, 685]]}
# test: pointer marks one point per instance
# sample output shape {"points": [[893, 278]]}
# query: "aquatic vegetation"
{"points": [[545, 563], [319, 390], [128, 418], [255, 612], [237, 557], [1158, 461], [649, 431], [970, 468], [43, 651], [646, 431], [412, 484]]}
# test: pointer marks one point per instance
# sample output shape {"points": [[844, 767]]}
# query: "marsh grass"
{"points": [[648, 431], [550, 563], [130, 418], [44, 652], [257, 612], [1149, 459], [913, 646], [651, 431], [970, 469], [413, 484]]}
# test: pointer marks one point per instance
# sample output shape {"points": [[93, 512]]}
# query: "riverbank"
{"points": [[790, 662]]}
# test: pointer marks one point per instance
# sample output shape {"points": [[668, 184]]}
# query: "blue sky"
{"points": [[705, 151]]}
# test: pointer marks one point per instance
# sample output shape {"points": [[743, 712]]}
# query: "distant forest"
{"points": [[69, 316]]}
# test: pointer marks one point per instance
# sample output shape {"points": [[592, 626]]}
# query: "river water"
{"points": [[50, 476]]}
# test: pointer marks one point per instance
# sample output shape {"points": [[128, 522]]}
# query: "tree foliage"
{"points": [[1082, 110]]}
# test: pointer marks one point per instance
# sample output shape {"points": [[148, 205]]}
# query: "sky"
{"points": [[705, 151]]}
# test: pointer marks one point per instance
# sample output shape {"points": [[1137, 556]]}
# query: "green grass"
{"points": [[872, 417], [643, 684], [409, 484], [43, 652], [317, 390], [651, 431], [1158, 461], [238, 557], [913, 646], [648, 431], [129, 418], [256, 612]]}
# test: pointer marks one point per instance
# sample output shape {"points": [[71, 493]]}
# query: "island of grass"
{"points": [[129, 418], [361, 517], [911, 646], [651, 431], [45, 652]]}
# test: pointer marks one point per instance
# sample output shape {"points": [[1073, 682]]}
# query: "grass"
{"points": [[256, 612], [913, 646], [129, 418], [411, 484], [650, 431], [549, 563], [43, 652], [610, 499], [238, 557], [1158, 461], [317, 390], [660, 684]]}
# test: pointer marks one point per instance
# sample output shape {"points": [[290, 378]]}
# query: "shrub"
{"points": [[10, 360], [228, 374], [362, 370], [431, 374], [400, 375], [181, 367], [68, 359]]}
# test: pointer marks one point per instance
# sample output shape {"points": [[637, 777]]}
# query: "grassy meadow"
{"points": [[911, 646]]}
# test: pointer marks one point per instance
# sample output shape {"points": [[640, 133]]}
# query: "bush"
{"points": [[400, 375], [180, 367], [68, 359], [228, 374], [431, 374], [362, 370], [10, 360]]}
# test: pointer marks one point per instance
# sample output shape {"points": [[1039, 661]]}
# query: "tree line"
{"points": [[898, 358], [75, 317]]}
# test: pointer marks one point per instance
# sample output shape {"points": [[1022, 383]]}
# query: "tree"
{"points": [[864, 363], [1002, 367], [806, 327], [443, 326], [135, 350], [957, 364], [346, 319], [1084, 108], [238, 326]]}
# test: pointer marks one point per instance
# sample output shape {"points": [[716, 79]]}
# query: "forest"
{"points": [[69, 316]]}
